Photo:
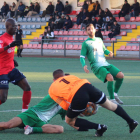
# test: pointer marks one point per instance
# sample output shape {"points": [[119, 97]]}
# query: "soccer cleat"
{"points": [[100, 132], [118, 99], [28, 130], [114, 101], [132, 126]]}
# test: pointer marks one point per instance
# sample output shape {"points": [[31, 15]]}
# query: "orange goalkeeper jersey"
{"points": [[64, 88]]}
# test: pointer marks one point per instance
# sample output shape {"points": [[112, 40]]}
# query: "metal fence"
{"points": [[79, 42]]}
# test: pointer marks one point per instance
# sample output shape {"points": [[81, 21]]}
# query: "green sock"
{"points": [[118, 84], [37, 130], [110, 88]]}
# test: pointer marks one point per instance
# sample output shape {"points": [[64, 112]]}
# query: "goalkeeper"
{"points": [[94, 49]]}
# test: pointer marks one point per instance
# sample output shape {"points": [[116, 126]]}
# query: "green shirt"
{"points": [[47, 108], [94, 49]]}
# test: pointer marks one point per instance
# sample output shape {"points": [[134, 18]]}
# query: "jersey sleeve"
{"points": [[83, 54], [104, 48], [1, 45]]}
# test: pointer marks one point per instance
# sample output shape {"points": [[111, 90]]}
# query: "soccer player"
{"points": [[36, 118], [18, 37], [94, 49], [8, 72], [73, 94]]}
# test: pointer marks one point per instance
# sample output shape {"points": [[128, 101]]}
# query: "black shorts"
{"points": [[13, 76], [87, 93], [20, 42]]}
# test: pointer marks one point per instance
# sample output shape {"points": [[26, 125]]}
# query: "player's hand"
{"points": [[85, 69], [15, 63], [13, 44], [111, 54]]}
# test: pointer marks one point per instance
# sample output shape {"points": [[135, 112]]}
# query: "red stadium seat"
{"points": [[81, 33], [79, 26], [54, 46], [75, 33], [122, 19], [65, 33], [69, 47], [70, 38], [76, 39], [77, 12], [133, 39], [106, 33], [81, 39], [117, 12], [123, 33], [35, 39], [75, 26], [133, 48], [74, 19], [72, 13], [70, 33], [85, 38], [128, 48], [39, 46], [75, 47], [34, 46], [122, 48], [60, 47], [60, 33], [30, 46], [107, 40], [138, 39], [117, 19], [137, 48], [55, 32], [25, 46], [128, 26], [113, 12], [85, 33], [113, 39], [132, 19], [49, 46], [133, 26], [80, 46], [137, 19], [40, 38], [123, 26], [44, 46], [65, 38]]}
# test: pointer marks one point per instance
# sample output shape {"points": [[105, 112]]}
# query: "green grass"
{"points": [[39, 75]]}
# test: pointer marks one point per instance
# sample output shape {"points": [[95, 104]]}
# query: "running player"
{"points": [[18, 37], [94, 49], [36, 118], [73, 94], [8, 72]]}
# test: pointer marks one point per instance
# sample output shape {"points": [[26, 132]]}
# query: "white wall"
{"points": [[44, 3]]}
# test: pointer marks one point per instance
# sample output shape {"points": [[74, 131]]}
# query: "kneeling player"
{"points": [[36, 118], [73, 94]]}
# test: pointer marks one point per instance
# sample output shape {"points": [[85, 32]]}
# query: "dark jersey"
{"points": [[19, 34]]}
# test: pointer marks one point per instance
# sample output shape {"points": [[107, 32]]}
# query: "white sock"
{"points": [[115, 94]]}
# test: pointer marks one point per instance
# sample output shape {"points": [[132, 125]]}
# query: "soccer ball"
{"points": [[91, 109]]}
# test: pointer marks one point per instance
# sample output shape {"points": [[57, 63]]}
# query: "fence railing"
{"points": [[79, 42]]}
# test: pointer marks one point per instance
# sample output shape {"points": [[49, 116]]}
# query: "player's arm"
{"points": [[82, 57], [107, 52]]}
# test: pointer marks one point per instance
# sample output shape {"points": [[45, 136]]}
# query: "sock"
{"points": [[0, 102], [17, 52], [21, 51], [26, 99], [118, 84], [37, 130], [85, 124], [120, 112], [82, 129], [110, 88]]}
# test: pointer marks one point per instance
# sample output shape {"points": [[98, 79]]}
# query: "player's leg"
{"points": [[21, 48], [3, 95], [23, 84], [118, 76], [15, 122], [78, 105], [18, 51], [120, 112]]}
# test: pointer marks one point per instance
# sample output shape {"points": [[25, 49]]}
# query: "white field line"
{"points": [[36, 97], [99, 106]]}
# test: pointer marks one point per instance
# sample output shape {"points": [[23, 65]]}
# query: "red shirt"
{"points": [[6, 57]]}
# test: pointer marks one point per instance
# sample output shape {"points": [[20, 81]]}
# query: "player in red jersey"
{"points": [[8, 72]]}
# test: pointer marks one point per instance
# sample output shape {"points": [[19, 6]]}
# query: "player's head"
{"points": [[90, 30], [18, 26], [11, 26], [58, 73]]}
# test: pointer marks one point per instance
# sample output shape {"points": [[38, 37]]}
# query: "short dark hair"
{"points": [[89, 25], [58, 73], [18, 24]]}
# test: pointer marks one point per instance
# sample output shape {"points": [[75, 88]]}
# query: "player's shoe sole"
{"points": [[100, 132], [132, 126], [118, 99], [28, 130]]}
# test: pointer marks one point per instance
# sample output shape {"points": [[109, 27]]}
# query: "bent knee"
{"points": [[109, 77], [120, 75], [27, 88], [3, 99]]}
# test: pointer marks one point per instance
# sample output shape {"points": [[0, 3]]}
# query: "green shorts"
{"points": [[30, 118], [104, 70]]}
